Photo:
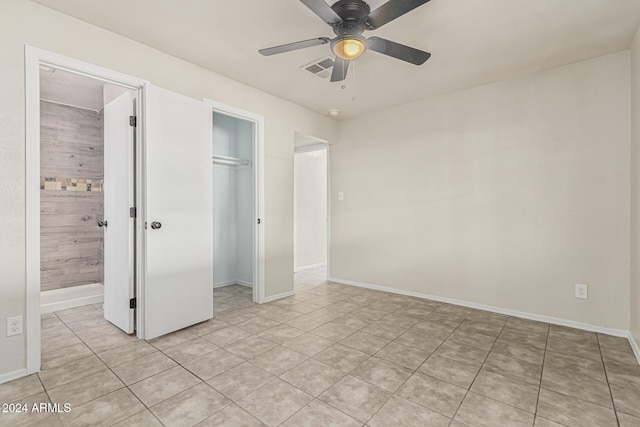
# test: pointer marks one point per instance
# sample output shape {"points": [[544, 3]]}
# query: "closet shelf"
{"points": [[233, 161]]}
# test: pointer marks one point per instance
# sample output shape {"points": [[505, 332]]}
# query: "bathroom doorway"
{"points": [[73, 145], [87, 158]]}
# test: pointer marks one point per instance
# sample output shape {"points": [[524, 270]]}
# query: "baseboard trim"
{"points": [[76, 296], [223, 284], [634, 346], [232, 282], [547, 319], [308, 267], [247, 284], [10, 376], [279, 296]]}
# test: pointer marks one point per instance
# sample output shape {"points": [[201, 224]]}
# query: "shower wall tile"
{"points": [[71, 198], [70, 184]]}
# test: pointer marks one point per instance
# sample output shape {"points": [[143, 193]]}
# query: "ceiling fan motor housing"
{"points": [[354, 15]]}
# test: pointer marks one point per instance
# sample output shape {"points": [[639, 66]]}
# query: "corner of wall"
{"points": [[634, 286]]}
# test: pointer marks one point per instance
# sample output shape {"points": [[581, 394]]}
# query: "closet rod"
{"points": [[231, 161]]}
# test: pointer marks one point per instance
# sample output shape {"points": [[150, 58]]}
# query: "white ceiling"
{"points": [[473, 42]]}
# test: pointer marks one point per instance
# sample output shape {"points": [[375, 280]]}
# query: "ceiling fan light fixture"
{"points": [[349, 19], [349, 47]]}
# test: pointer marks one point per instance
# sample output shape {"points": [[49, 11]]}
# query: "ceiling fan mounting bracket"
{"points": [[354, 17], [351, 10]]}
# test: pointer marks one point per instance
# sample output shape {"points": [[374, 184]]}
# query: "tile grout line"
{"points": [[416, 370], [202, 380], [588, 379], [66, 326], [568, 395], [391, 394], [515, 379], [422, 318], [42, 384], [109, 369], [606, 376], [544, 357], [349, 373], [477, 373], [314, 398]]}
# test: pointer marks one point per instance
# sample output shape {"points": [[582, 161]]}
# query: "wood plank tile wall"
{"points": [[71, 148]]}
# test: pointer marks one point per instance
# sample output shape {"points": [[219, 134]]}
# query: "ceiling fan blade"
{"points": [[340, 68], [391, 10], [294, 46], [397, 50], [323, 10]]}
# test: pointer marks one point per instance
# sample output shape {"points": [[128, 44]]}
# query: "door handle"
{"points": [[102, 224], [156, 225]]}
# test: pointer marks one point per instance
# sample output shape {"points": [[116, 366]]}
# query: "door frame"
{"points": [[258, 185], [34, 58], [305, 149]]}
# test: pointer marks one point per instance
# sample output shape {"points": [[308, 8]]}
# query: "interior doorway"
{"points": [[87, 185], [311, 211], [72, 131]]}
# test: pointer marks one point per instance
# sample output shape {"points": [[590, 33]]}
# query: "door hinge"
{"points": [[132, 303], [132, 212], [133, 121]]}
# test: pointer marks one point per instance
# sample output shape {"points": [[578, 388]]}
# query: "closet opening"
{"points": [[236, 221]]}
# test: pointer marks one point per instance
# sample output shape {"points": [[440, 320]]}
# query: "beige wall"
{"points": [[505, 195], [634, 300], [21, 23]]}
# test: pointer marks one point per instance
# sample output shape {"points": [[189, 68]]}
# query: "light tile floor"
{"points": [[330, 355]]}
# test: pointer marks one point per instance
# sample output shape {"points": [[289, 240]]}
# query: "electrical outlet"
{"points": [[14, 326], [581, 291]]}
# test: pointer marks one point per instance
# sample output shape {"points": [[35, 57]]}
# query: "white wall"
{"points": [[22, 22], [634, 299], [310, 186], [505, 195]]}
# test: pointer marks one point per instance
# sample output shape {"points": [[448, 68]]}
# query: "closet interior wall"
{"points": [[232, 201]]}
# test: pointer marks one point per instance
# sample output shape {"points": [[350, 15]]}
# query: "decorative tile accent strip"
{"points": [[70, 184]]}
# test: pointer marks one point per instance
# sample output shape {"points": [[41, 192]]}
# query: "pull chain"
{"points": [[353, 74]]}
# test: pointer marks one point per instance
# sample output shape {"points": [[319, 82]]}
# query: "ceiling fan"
{"points": [[349, 19]]}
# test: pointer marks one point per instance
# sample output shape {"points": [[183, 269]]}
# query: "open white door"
{"points": [[178, 285], [118, 225]]}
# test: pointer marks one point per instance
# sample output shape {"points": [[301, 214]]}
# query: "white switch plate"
{"points": [[14, 326], [340, 195], [582, 291]]}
